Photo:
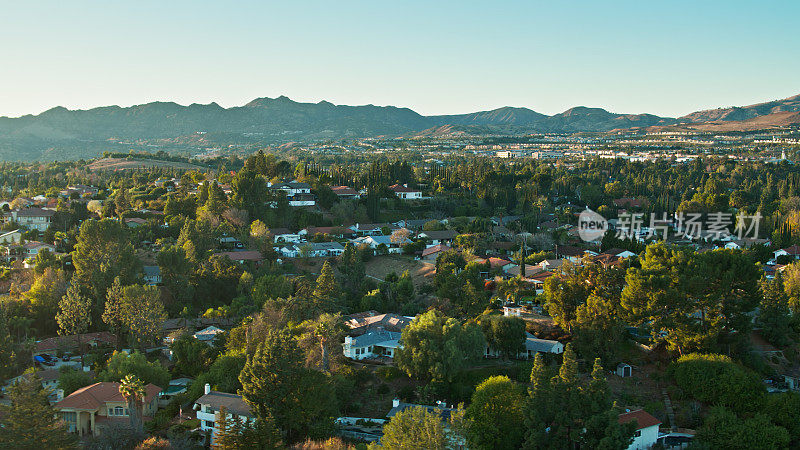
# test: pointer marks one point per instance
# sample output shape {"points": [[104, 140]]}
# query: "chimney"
{"points": [[208, 388], [395, 403]]}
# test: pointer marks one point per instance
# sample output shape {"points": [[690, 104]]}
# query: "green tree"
{"points": [[436, 347], [414, 428], [774, 316], [103, 252], [495, 418], [70, 380], [275, 384], [723, 429], [74, 316], [27, 422], [326, 291], [505, 334], [142, 314], [122, 364]]}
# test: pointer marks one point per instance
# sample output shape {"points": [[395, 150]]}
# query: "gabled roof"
{"points": [[68, 342], [94, 396], [794, 250], [402, 188], [233, 404], [369, 319], [35, 212], [435, 249], [377, 337], [643, 419], [344, 190], [440, 234]]}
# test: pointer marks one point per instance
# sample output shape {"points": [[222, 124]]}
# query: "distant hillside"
{"points": [[60, 133], [739, 113]]}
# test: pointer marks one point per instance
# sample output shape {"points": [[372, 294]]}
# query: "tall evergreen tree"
{"points": [[28, 424]]}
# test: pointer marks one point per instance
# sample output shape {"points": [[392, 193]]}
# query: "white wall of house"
{"points": [[644, 438]]}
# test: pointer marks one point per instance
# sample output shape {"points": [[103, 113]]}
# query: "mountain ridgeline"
{"points": [[61, 133]]}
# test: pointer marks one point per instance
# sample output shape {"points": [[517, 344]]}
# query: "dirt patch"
{"points": [[381, 266], [115, 164]]}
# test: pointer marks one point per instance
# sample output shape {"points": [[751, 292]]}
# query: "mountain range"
{"points": [[59, 133]]}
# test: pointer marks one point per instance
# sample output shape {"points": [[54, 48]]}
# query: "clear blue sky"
{"points": [[436, 57]]}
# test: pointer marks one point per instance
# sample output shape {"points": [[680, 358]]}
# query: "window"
{"points": [[210, 423], [117, 411], [210, 409], [638, 433]]}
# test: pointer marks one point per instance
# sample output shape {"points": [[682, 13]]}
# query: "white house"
{"points": [[793, 251], [394, 245], [208, 409], [314, 249], [151, 275], [208, 334], [281, 235], [646, 428], [10, 237], [533, 345], [372, 344], [403, 192]]}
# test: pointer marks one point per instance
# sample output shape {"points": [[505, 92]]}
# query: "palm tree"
{"points": [[133, 390], [324, 330]]}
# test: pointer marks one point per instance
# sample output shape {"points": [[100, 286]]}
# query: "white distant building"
{"points": [[404, 192], [533, 345]]}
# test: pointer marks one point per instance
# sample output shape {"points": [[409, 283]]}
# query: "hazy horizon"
{"points": [[446, 58]]}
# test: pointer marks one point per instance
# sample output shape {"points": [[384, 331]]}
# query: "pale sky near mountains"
{"points": [[666, 58]]}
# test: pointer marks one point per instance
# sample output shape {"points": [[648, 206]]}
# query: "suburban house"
{"points": [[533, 345], [11, 237], [281, 235], [176, 387], [299, 194], [32, 248], [793, 251], [360, 323], [346, 192], [372, 344], [88, 409], [551, 264], [433, 252], [394, 245], [134, 222], [438, 236], [70, 343], [151, 275], [292, 188], [208, 408], [372, 229], [336, 232], [312, 250], [403, 192], [646, 428], [31, 218], [208, 334], [570, 253], [80, 189]]}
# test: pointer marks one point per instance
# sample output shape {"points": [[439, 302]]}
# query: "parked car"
{"points": [[41, 360]]}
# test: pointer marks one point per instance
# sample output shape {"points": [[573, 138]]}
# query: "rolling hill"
{"points": [[60, 133]]}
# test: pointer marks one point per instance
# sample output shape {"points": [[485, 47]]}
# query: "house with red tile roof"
{"points": [[88, 409], [433, 252], [646, 428], [403, 192]]}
